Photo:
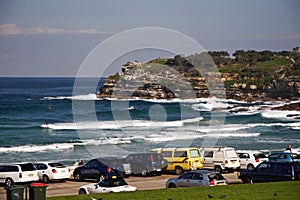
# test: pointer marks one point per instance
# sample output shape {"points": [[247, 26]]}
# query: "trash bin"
{"points": [[15, 192], [37, 191]]}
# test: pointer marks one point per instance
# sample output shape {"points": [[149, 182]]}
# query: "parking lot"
{"points": [[143, 183]]}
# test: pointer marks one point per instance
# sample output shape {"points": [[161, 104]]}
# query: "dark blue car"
{"points": [[284, 157], [271, 172], [99, 169]]}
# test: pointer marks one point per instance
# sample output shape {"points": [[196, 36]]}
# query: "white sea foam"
{"points": [[280, 114], [105, 140], [77, 97], [118, 124], [224, 128], [189, 136], [37, 148], [237, 134]]}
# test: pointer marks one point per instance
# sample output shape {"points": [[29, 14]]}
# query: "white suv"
{"points": [[220, 159], [17, 173], [52, 171], [250, 159]]}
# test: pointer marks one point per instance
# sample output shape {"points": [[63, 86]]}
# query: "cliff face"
{"points": [[277, 78]]}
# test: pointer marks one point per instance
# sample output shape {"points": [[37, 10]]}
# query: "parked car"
{"points": [[220, 159], [181, 159], [99, 169], [284, 157], [197, 178], [107, 186], [271, 171], [250, 159], [17, 173], [48, 171], [146, 163]]}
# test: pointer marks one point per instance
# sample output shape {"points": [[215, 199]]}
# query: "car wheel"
{"points": [[247, 180], [45, 179], [78, 176], [172, 185], [101, 177], [144, 173], [178, 170], [250, 167], [82, 191], [9, 182], [218, 169]]}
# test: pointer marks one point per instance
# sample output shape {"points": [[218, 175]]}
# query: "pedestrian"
{"points": [[78, 162], [289, 148]]}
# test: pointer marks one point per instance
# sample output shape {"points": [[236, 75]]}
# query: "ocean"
{"points": [[43, 119]]}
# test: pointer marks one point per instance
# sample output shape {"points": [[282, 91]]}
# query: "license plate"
{"points": [[30, 175], [233, 162], [63, 171]]}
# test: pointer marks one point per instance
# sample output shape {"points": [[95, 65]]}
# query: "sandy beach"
{"points": [[70, 187]]}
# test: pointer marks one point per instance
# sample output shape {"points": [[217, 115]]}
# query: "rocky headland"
{"points": [[247, 76]]}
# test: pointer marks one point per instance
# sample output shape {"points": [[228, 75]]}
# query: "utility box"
{"points": [[15, 192], [37, 191]]}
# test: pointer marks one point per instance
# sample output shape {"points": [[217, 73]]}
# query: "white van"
{"points": [[220, 159], [17, 173]]}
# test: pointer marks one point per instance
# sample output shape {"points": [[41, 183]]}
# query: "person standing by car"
{"points": [[78, 162], [289, 148]]}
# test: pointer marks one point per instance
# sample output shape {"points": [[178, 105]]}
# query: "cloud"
{"points": [[13, 29]]}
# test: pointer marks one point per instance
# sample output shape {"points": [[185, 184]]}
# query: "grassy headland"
{"points": [[247, 75]]}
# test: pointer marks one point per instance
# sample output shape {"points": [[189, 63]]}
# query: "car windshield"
{"points": [[231, 153], [56, 164], [194, 153], [113, 183], [215, 177], [259, 155]]}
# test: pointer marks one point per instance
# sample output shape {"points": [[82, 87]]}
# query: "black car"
{"points": [[271, 172], [146, 163], [99, 169]]}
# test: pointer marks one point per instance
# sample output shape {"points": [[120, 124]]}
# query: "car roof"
{"points": [[249, 151], [144, 153], [46, 162], [282, 153], [281, 162], [202, 171], [218, 147], [174, 149]]}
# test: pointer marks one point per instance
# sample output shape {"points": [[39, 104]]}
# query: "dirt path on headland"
{"points": [[148, 183]]}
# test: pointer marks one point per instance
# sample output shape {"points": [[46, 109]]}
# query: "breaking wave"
{"points": [[92, 125]]}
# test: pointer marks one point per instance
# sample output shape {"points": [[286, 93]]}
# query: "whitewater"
{"points": [[38, 122]]}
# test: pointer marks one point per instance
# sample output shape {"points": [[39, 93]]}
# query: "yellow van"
{"points": [[181, 159]]}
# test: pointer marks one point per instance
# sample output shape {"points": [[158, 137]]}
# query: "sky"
{"points": [[52, 38]]}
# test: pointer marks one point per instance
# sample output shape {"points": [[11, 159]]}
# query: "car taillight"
{"points": [[211, 182], [151, 158], [257, 160], [226, 161], [54, 171], [20, 175], [109, 169]]}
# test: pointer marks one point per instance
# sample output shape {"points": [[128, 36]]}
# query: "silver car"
{"points": [[197, 178]]}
